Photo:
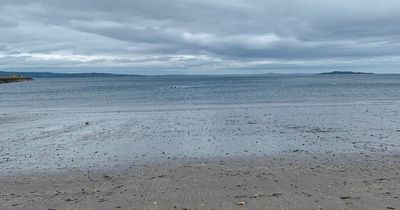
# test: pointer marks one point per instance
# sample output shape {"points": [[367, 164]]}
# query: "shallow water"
{"points": [[192, 90]]}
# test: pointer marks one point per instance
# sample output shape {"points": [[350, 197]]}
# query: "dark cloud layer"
{"points": [[200, 36]]}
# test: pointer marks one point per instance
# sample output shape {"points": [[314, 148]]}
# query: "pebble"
{"points": [[241, 203]]}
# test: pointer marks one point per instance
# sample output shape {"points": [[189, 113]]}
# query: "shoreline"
{"points": [[187, 107], [155, 162]]}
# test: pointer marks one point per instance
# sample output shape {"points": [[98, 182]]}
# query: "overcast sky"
{"points": [[200, 36]]}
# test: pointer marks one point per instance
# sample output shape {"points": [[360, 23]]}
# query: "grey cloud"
{"points": [[193, 34]]}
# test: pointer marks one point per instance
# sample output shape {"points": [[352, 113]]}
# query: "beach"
{"points": [[345, 182], [201, 143], [254, 156]]}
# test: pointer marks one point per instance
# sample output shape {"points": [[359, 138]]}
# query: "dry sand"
{"points": [[346, 182]]}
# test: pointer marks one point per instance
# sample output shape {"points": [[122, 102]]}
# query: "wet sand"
{"points": [[263, 156]]}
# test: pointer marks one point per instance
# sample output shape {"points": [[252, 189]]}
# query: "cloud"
{"points": [[195, 36]]}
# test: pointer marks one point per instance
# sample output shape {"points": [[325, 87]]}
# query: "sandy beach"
{"points": [[345, 182], [249, 156]]}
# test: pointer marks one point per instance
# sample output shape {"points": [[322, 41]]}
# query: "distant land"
{"points": [[14, 79], [9, 74], [94, 74], [61, 75], [343, 72]]}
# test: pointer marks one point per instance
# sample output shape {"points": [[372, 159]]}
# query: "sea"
{"points": [[197, 90]]}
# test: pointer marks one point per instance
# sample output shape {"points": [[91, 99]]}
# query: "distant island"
{"points": [[14, 79], [343, 72], [7, 76], [62, 75]]}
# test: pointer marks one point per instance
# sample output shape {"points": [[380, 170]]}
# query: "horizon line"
{"points": [[180, 74]]}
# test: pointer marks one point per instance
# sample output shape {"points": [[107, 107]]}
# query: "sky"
{"points": [[200, 36]]}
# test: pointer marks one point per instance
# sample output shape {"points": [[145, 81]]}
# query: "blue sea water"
{"points": [[189, 90]]}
